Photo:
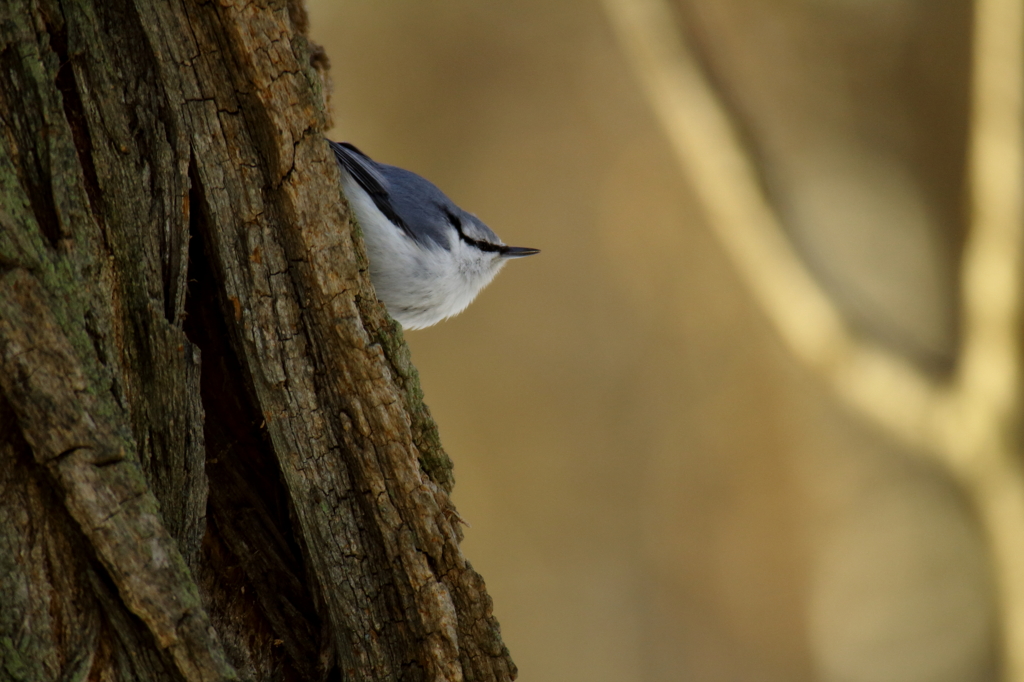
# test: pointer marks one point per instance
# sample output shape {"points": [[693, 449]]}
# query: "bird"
{"points": [[428, 258]]}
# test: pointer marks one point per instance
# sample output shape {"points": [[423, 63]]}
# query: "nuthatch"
{"points": [[428, 258]]}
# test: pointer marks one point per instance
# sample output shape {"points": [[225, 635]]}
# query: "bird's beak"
{"points": [[518, 252]]}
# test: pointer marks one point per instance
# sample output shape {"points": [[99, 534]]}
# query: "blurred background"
{"points": [[658, 488]]}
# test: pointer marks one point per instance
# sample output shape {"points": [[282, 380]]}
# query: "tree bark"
{"points": [[215, 460]]}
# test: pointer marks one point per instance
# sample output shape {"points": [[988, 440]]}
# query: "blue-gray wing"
{"points": [[365, 172]]}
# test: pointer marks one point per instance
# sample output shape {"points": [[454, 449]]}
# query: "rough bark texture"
{"points": [[215, 461]]}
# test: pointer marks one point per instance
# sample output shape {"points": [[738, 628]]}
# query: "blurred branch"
{"points": [[966, 424], [723, 175], [981, 436]]}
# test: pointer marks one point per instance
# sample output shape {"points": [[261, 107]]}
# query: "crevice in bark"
{"points": [[250, 543], [131, 649], [22, 125], [74, 112], [174, 250], [104, 653]]}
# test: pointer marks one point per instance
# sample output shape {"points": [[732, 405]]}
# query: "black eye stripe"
{"points": [[482, 245]]}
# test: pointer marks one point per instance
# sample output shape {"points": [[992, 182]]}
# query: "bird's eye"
{"points": [[480, 244], [456, 222]]}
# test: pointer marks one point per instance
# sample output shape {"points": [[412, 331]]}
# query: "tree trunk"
{"points": [[215, 461]]}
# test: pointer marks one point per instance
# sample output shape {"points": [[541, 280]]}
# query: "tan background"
{"points": [[657, 489]]}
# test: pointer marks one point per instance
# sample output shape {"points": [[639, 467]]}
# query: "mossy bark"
{"points": [[215, 461]]}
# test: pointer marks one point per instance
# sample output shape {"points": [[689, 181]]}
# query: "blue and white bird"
{"points": [[428, 258]]}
